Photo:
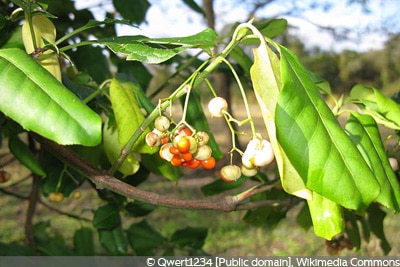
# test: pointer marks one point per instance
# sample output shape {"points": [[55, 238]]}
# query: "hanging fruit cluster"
{"points": [[182, 146]]}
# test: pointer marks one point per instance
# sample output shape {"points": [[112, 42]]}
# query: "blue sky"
{"points": [[168, 18]]}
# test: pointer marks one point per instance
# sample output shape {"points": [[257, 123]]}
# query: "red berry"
{"points": [[208, 163]]}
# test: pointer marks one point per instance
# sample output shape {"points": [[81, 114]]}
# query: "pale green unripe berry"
{"points": [[230, 173]]}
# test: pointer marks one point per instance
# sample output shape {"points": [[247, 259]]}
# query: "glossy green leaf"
{"points": [[31, 96], [326, 216], [144, 239], [157, 165], [83, 242], [106, 217], [113, 148], [273, 28], [266, 78], [128, 115], [139, 208], [382, 108], [114, 241], [22, 152], [320, 151], [195, 116], [193, 237], [365, 134], [158, 50]]}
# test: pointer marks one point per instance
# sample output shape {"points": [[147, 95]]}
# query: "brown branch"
{"points": [[33, 199], [103, 180]]}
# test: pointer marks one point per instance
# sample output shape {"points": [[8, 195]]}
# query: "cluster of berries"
{"points": [[182, 146], [258, 152]]}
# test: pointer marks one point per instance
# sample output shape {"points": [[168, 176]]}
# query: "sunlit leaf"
{"points": [[364, 132], [326, 216], [382, 108], [158, 50], [128, 115], [319, 149], [266, 78], [31, 96]]}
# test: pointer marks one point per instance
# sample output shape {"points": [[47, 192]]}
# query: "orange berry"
{"points": [[174, 150], [187, 156], [183, 145], [194, 163], [176, 161], [208, 163]]}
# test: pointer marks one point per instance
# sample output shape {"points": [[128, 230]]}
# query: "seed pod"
{"points": [[56, 197], [165, 153], [249, 172], [203, 138]]}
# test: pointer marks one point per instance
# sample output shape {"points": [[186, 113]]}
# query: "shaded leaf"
{"points": [[24, 155], [194, 6], [106, 217], [139, 208], [273, 27], [219, 186], [83, 242], [133, 10], [156, 165], [114, 241], [193, 237], [40, 103], [375, 220], [144, 239]]}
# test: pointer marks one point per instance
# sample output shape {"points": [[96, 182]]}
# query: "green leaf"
{"points": [[194, 6], [91, 60], [158, 166], [319, 149], [382, 108], [195, 116], [139, 208], [106, 217], [128, 115], [114, 241], [113, 148], [303, 218], [365, 134], [22, 152], [375, 220], [31, 96], [83, 242], [266, 78], [15, 250], [158, 50], [60, 177], [352, 229], [144, 239], [326, 216], [193, 237], [134, 10], [219, 186], [273, 27]]}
